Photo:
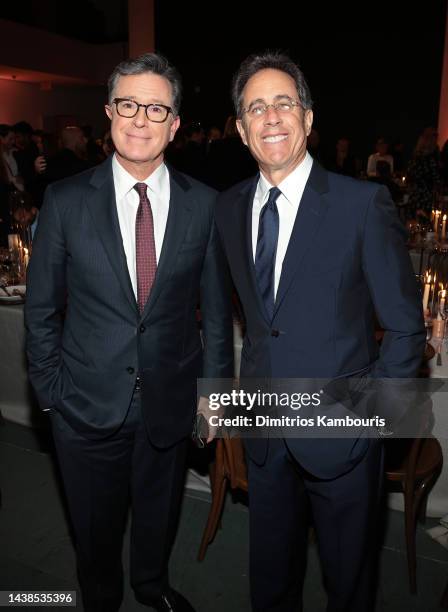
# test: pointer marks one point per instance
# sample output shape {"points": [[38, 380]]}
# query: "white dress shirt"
{"points": [[374, 159], [292, 188], [127, 200]]}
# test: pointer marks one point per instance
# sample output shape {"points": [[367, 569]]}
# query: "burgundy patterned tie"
{"points": [[145, 247]]}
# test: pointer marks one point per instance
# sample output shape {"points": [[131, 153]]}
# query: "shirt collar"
{"points": [[291, 186], [125, 182]]}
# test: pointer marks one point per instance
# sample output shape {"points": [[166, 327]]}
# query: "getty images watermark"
{"points": [[325, 408], [294, 401]]}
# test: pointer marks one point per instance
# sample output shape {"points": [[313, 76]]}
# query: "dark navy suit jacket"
{"points": [[86, 340], [346, 260]]}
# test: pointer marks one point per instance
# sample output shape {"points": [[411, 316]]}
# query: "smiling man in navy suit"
{"points": [[313, 256], [122, 255]]}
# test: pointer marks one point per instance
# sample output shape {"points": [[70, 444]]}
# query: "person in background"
{"points": [[228, 160], [384, 177], [5, 190], [121, 257], [191, 158], [423, 176], [214, 133], [93, 152], [313, 256], [25, 152], [343, 161], [381, 154], [107, 145], [70, 159], [8, 142]]}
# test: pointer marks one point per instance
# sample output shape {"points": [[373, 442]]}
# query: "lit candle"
{"points": [[436, 222], [403, 180], [443, 227], [13, 242], [442, 297], [433, 291], [426, 292], [26, 257]]}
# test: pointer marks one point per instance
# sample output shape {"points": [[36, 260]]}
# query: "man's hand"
{"points": [[207, 412], [40, 164]]}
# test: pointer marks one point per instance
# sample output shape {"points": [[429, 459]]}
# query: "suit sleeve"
{"points": [[216, 311], [45, 303], [393, 289]]}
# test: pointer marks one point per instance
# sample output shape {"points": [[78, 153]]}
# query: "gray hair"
{"points": [[153, 63], [269, 60]]}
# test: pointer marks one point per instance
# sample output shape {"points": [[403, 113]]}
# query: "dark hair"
{"points": [[23, 127], [274, 60], [5, 129], [148, 62]]}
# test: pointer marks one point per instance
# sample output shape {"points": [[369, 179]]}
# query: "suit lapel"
{"points": [[179, 216], [309, 217], [102, 206], [243, 224]]}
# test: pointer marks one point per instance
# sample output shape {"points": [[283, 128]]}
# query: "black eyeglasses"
{"points": [[154, 112]]}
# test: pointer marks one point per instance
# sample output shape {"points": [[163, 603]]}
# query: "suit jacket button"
{"points": [[275, 333], [130, 370], [142, 329]]}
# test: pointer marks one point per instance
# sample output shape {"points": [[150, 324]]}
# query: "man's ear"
{"points": [[308, 121], [174, 127], [108, 110], [241, 130]]}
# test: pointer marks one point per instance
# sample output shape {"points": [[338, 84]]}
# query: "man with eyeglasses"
{"points": [[122, 256], [313, 256]]}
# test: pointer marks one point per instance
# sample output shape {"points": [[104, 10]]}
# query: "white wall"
{"points": [[25, 101]]}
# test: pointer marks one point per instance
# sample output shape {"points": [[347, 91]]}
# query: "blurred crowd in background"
{"points": [[31, 159]]}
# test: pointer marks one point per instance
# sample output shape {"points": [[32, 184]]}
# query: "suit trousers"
{"points": [[345, 512], [100, 478]]}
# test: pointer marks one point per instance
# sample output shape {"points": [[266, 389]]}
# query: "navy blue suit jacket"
{"points": [[86, 339], [346, 260]]}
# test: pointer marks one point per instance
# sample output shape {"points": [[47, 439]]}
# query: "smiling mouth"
{"points": [[138, 137], [274, 139]]}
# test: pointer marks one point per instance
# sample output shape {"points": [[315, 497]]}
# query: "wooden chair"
{"points": [[229, 469], [414, 465]]}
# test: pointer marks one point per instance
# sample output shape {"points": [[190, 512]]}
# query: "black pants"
{"points": [[100, 478], [345, 511]]}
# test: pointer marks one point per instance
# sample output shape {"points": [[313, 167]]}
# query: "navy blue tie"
{"points": [[267, 249]]}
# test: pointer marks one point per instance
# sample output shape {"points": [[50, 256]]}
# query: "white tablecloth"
{"points": [[16, 397]]}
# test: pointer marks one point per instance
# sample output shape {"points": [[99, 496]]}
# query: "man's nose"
{"points": [[140, 118], [272, 116]]}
